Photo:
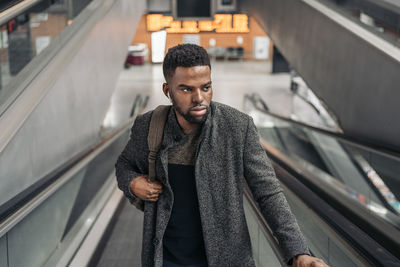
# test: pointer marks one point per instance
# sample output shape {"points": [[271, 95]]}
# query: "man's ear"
{"points": [[165, 88]]}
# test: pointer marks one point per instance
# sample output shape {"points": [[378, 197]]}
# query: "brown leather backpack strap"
{"points": [[155, 136]]}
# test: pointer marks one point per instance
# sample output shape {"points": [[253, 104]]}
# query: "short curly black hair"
{"points": [[184, 55]]}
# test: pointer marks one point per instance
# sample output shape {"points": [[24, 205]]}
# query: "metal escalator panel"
{"points": [[266, 251], [361, 179], [348, 52], [322, 238], [369, 178], [55, 214], [380, 17], [330, 235]]}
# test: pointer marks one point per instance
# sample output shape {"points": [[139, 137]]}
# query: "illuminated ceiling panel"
{"points": [[222, 23]]}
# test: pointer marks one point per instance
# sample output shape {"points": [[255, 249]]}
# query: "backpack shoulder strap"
{"points": [[155, 136]]}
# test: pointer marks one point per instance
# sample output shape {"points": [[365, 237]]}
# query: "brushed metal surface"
{"points": [[43, 196], [263, 252], [38, 235], [61, 111], [3, 252], [354, 72]]}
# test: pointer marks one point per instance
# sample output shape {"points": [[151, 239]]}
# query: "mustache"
{"points": [[199, 107]]}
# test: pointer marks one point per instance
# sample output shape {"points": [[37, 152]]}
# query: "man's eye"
{"points": [[186, 89], [207, 88]]}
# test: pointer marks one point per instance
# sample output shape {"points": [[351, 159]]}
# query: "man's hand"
{"points": [[144, 189], [305, 260]]}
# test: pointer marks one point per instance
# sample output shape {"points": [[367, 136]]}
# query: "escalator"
{"points": [[347, 52], [348, 220], [351, 185], [342, 225], [49, 220], [345, 193], [57, 75]]}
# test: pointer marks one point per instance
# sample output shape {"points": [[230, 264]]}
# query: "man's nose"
{"points": [[197, 96]]}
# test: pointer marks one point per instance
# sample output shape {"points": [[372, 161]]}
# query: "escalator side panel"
{"points": [[362, 242], [353, 70]]}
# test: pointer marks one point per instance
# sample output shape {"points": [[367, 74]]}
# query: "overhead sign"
{"points": [[222, 23]]}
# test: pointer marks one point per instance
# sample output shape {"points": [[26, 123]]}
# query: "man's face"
{"points": [[191, 92]]}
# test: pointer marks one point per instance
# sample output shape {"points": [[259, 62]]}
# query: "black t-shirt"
{"points": [[183, 238]]}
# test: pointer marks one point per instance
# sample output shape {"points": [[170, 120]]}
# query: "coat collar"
{"points": [[173, 133]]}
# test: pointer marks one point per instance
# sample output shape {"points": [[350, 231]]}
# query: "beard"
{"points": [[187, 116]]}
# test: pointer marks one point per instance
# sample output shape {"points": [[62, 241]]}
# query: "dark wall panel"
{"points": [[358, 81]]}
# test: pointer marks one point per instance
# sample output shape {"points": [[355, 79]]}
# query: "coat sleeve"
{"points": [[266, 190], [131, 162]]}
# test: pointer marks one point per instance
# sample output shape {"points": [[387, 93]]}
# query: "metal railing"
{"points": [[261, 106], [373, 224], [15, 210], [16, 10]]}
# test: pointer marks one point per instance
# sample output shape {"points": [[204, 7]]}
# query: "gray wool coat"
{"points": [[228, 151]]}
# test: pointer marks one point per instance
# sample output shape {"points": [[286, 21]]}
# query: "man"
{"points": [[193, 213]]}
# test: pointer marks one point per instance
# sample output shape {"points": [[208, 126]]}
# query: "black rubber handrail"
{"points": [[17, 203], [11, 9], [8, 3], [255, 99], [383, 232], [360, 244], [363, 144]]}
